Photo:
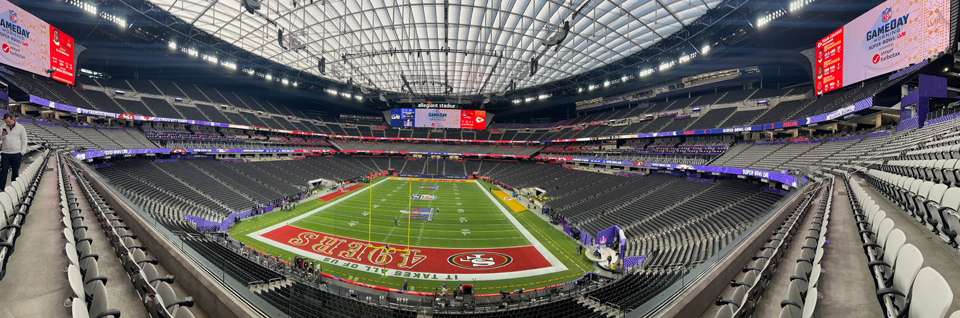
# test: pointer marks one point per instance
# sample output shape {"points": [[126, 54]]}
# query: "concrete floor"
{"points": [[769, 305], [846, 284], [936, 253], [35, 284]]}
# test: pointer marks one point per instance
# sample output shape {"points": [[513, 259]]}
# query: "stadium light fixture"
{"points": [[606, 83], [190, 51], [115, 19], [517, 101], [358, 97], [667, 65], [705, 50], [269, 77], [294, 84], [529, 99], [579, 89], [543, 96], [796, 5], [769, 17], [646, 72], [84, 5], [172, 45], [285, 81], [229, 65]]}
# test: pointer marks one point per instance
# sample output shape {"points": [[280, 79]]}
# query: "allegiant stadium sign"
{"points": [[431, 105]]}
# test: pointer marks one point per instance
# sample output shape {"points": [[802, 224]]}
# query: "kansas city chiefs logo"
{"points": [[480, 260]]}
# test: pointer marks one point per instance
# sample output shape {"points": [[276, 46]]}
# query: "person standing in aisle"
{"points": [[12, 148]]}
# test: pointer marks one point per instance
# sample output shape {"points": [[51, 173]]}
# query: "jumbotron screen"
{"points": [[30, 44], [889, 37], [438, 118]]}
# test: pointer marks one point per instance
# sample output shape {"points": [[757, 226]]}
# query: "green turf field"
{"points": [[461, 206], [467, 218]]}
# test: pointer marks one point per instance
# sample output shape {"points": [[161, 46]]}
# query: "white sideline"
{"points": [[536, 244]]}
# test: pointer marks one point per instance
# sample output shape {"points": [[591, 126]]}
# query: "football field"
{"points": [[426, 231]]}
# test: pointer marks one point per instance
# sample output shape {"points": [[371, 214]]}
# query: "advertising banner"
{"points": [[889, 37], [31, 44]]}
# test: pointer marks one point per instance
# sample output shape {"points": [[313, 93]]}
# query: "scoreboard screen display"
{"points": [[438, 118]]}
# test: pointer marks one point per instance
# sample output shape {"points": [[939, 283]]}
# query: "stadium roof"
{"points": [[453, 48]]}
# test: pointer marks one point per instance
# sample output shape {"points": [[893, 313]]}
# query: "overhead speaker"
{"points": [[322, 65], [280, 39], [251, 5], [534, 65]]}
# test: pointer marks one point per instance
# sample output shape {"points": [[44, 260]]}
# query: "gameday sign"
{"points": [[889, 37], [417, 262], [30, 44], [438, 118]]}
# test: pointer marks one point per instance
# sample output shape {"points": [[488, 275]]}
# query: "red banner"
{"points": [[419, 259], [828, 74], [61, 56]]}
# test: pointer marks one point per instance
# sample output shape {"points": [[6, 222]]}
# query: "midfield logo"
{"points": [[480, 260]]}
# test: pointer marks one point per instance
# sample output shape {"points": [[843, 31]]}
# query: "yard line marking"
{"points": [[523, 230]]}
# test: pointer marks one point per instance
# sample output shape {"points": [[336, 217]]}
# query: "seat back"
{"points": [[875, 220], [931, 295], [149, 271], [167, 295], [7, 201], [885, 227], [909, 263], [924, 189], [99, 302], [891, 249], [936, 193], [951, 198], [810, 304], [739, 295], [184, 312]]}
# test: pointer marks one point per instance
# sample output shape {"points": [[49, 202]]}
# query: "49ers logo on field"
{"points": [[480, 260]]}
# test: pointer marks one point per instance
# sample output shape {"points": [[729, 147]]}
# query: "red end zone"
{"points": [[421, 259], [337, 194]]}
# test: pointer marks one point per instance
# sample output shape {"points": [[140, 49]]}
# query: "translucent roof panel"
{"points": [[458, 48]]}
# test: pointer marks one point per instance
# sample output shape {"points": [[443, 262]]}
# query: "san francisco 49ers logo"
{"points": [[480, 260]]}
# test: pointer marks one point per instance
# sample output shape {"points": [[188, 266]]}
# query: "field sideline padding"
{"points": [[510, 201], [337, 194]]}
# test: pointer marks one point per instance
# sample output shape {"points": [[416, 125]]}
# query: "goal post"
{"points": [[371, 210]]}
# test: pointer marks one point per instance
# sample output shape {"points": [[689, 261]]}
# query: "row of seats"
{"points": [[154, 289], [904, 287], [15, 203], [931, 203], [83, 272], [802, 292], [939, 171], [749, 287]]}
